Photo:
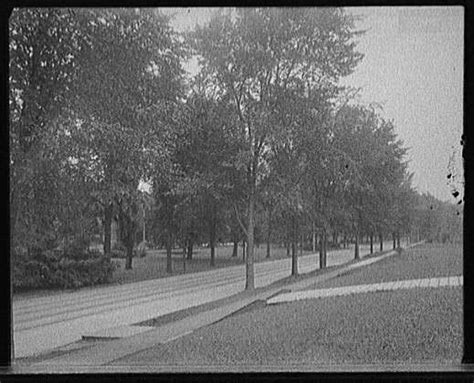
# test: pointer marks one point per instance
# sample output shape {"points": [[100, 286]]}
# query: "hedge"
{"points": [[50, 269]]}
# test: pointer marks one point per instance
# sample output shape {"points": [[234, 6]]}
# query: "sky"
{"points": [[413, 67]]}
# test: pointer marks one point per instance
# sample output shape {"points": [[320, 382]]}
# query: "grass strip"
{"points": [[411, 326], [425, 261]]}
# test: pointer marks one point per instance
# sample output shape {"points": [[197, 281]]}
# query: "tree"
{"points": [[91, 90], [130, 78], [166, 217], [42, 74], [324, 179], [375, 158], [255, 56], [435, 220], [204, 154]]}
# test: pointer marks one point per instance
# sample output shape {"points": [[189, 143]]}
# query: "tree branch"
{"points": [[237, 215]]}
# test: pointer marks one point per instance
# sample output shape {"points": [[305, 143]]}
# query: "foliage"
{"points": [[262, 143], [42, 47], [90, 96], [50, 269], [262, 60], [437, 221]]}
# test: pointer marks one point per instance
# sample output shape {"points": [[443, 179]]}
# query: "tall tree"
{"points": [[42, 73], [376, 159], [130, 80], [255, 56], [205, 151]]}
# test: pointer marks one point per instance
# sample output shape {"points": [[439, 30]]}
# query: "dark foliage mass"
{"points": [[49, 269], [110, 141]]}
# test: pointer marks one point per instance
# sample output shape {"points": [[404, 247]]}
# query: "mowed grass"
{"points": [[154, 264], [412, 326], [426, 261], [418, 326]]}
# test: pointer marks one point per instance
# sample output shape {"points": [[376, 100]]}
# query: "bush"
{"points": [[53, 269], [77, 249]]}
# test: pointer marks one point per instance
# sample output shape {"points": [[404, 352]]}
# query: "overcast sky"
{"points": [[413, 66]]}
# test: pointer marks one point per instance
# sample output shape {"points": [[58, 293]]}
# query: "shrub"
{"points": [[52, 269], [77, 249]]}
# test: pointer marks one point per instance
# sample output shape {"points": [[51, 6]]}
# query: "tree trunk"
{"points": [[321, 251], [108, 230], [325, 253], [169, 260], [371, 243], [212, 241], [269, 232], [249, 272], [190, 247], [301, 244], [243, 250], [398, 240], [184, 258], [313, 233], [393, 240], [334, 238], [294, 245], [128, 261], [128, 239], [294, 259], [144, 227], [381, 241], [235, 249], [356, 249], [213, 254]]}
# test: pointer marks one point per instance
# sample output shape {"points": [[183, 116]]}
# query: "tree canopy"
{"points": [[263, 144]]}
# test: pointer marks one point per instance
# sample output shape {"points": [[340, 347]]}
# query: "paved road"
{"points": [[44, 323]]}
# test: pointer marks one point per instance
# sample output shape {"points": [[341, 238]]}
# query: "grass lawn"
{"points": [[428, 260], [414, 326], [154, 264], [404, 326]]}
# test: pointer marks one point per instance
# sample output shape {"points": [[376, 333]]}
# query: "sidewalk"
{"points": [[110, 351], [367, 288]]}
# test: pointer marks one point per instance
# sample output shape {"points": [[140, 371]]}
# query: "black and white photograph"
{"points": [[236, 189]]}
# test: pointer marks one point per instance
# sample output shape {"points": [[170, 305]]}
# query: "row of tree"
{"points": [[261, 144]]}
